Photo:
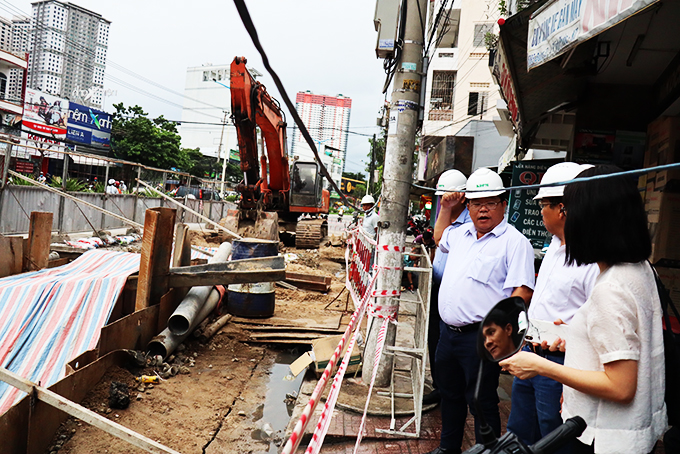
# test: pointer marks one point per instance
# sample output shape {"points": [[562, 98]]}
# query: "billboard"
{"points": [[88, 126], [45, 114]]}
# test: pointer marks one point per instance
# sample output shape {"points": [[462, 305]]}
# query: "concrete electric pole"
{"points": [[397, 177]]}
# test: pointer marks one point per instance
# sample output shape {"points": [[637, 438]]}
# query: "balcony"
{"points": [[9, 61]]}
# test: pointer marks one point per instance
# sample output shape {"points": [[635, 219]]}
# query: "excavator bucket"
{"points": [[256, 224]]}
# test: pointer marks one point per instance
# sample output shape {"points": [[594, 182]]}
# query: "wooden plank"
{"points": [[259, 263], [308, 277], [224, 277], [303, 329], [286, 335], [39, 238], [314, 320], [307, 285], [84, 414], [67, 249], [11, 255], [281, 341], [155, 260]]}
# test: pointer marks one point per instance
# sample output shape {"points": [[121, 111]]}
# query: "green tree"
{"points": [[135, 137], [378, 159], [359, 191]]}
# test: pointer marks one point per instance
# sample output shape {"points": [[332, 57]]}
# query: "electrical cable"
{"points": [[252, 32], [625, 173]]}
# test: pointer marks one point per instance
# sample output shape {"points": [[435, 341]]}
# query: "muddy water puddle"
{"points": [[282, 391]]}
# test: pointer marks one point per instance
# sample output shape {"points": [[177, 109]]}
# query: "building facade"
{"points": [[67, 51], [327, 120], [207, 98], [19, 45], [461, 95]]}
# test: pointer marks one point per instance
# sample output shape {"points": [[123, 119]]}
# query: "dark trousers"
{"points": [[457, 367], [433, 330], [536, 406]]}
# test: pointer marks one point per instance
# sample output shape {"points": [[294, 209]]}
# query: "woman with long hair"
{"points": [[614, 365]]}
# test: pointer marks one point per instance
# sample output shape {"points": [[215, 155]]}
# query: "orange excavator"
{"points": [[272, 202]]}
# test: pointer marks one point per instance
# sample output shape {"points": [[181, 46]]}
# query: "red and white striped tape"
{"points": [[294, 440], [378, 354], [385, 293], [388, 248]]}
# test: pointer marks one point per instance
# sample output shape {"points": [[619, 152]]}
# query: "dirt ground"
{"points": [[215, 404]]}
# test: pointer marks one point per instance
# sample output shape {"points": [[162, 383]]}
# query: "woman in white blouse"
{"points": [[614, 372]]}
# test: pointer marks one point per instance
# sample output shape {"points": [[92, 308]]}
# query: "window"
{"points": [[480, 31], [477, 102], [441, 97]]}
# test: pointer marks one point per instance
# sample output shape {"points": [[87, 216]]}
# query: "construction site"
{"points": [[159, 329]]}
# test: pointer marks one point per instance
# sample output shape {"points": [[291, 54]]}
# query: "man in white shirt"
{"points": [[560, 291], [489, 260], [449, 181], [370, 224]]}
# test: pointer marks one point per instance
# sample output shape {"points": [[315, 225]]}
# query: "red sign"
{"points": [[24, 167]]}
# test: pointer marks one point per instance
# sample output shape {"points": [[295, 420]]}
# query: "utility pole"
{"points": [[371, 168], [219, 152], [397, 176]]}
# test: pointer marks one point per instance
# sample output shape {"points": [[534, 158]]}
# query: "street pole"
{"points": [[397, 176], [371, 168], [219, 151]]}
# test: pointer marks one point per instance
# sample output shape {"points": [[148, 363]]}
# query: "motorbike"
{"points": [[416, 225], [513, 310]]}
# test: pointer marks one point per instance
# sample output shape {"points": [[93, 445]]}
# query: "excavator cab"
{"points": [[306, 187]]}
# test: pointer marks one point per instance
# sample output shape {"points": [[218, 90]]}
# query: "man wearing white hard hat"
{"points": [[111, 188], [560, 290], [370, 224], [449, 181], [489, 260]]}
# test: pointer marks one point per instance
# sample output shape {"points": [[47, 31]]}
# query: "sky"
{"points": [[324, 46]]}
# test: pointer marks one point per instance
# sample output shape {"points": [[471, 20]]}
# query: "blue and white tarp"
{"points": [[49, 317]]}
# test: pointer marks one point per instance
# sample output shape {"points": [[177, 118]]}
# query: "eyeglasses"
{"points": [[544, 204], [478, 205]]}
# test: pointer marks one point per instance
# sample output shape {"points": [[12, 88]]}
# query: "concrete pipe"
{"points": [[166, 342], [182, 319]]}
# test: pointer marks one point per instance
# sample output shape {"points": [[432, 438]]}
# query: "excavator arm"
{"points": [[252, 106]]}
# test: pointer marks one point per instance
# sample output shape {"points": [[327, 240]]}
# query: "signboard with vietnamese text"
{"points": [[45, 114], [347, 185], [523, 211], [88, 126], [561, 25], [501, 72]]}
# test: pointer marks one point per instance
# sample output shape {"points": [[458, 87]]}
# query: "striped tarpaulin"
{"points": [[49, 317]]}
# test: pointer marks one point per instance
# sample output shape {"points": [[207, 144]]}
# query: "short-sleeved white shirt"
{"points": [[481, 272], [441, 254], [560, 288], [620, 321], [370, 223]]}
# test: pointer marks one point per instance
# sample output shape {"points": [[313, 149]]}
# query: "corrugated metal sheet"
{"points": [[49, 317], [15, 220]]}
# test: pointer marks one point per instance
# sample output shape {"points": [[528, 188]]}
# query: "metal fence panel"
{"points": [[74, 220], [18, 203]]}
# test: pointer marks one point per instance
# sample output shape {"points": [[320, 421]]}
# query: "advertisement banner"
{"points": [[561, 25], [45, 114], [88, 126]]}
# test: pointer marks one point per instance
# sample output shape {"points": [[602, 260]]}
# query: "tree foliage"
{"points": [[378, 160], [137, 138]]}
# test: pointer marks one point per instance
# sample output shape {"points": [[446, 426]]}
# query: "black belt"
{"points": [[465, 328]]}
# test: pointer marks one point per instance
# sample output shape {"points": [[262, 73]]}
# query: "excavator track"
{"points": [[310, 232]]}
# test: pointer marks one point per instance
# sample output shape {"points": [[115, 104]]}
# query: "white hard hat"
{"points": [[112, 181], [483, 179], [564, 171], [451, 180], [368, 199]]}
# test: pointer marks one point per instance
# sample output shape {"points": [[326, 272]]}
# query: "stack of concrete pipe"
{"points": [[194, 308]]}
